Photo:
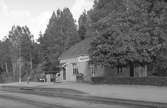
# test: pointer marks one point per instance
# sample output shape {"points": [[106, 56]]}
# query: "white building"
{"points": [[76, 61]]}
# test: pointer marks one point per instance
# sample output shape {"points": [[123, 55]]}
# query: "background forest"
{"points": [[126, 32]]}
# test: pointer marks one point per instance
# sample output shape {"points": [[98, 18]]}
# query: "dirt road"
{"points": [[22, 100]]}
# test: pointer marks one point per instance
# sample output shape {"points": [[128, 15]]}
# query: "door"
{"points": [[64, 73]]}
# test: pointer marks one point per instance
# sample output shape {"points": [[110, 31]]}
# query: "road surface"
{"points": [[23, 100]]}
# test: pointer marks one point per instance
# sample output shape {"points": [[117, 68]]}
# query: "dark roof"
{"points": [[78, 49]]}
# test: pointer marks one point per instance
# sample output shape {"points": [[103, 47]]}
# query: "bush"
{"points": [[160, 73], [156, 81], [98, 80], [80, 77]]}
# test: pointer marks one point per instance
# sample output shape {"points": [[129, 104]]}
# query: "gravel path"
{"points": [[131, 92], [20, 100]]}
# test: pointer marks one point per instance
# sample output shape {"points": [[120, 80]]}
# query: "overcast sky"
{"points": [[35, 13]]}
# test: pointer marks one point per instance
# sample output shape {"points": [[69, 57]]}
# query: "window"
{"points": [[75, 68]]}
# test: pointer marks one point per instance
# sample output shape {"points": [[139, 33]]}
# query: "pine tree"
{"points": [[83, 25], [69, 29], [61, 33]]}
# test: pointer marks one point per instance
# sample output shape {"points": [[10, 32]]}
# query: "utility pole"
{"points": [[20, 69], [20, 64], [19, 57]]}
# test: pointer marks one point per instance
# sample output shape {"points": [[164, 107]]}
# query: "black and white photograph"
{"points": [[83, 53]]}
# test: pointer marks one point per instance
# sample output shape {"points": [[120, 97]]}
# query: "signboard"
{"points": [[83, 58]]}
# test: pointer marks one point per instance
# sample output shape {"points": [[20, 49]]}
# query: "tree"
{"points": [[61, 33], [83, 25], [131, 35], [159, 66], [5, 61], [103, 16], [69, 29], [20, 40]]}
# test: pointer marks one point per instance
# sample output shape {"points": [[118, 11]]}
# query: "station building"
{"points": [[76, 60]]}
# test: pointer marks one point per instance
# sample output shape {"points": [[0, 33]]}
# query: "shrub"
{"points": [[156, 81], [97, 80], [80, 76]]}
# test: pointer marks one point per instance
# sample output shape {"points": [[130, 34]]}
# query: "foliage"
{"points": [[131, 34], [19, 51], [154, 81], [61, 33], [18, 54], [83, 25], [5, 60], [159, 66], [98, 80]]}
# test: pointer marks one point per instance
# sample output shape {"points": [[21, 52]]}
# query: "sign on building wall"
{"points": [[83, 58]]}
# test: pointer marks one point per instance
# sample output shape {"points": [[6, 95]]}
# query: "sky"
{"points": [[36, 13]]}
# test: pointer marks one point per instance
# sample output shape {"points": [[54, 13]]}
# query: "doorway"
{"points": [[64, 73]]}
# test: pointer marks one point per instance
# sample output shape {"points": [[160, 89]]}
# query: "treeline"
{"points": [[22, 57], [17, 54], [127, 33]]}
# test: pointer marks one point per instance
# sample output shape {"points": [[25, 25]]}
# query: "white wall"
{"points": [[83, 67], [69, 69]]}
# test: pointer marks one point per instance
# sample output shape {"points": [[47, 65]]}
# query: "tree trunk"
{"points": [[131, 70], [19, 73], [6, 67], [14, 70], [145, 71], [117, 69], [31, 65], [121, 69]]}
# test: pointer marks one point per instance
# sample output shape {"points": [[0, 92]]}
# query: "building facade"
{"points": [[72, 67], [76, 61]]}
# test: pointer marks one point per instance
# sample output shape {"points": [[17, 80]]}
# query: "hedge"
{"points": [[155, 81], [98, 80]]}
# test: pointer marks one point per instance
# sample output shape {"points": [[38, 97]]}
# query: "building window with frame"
{"points": [[75, 68]]}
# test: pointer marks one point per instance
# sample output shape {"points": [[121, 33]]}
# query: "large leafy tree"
{"points": [[132, 34], [103, 16]]}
